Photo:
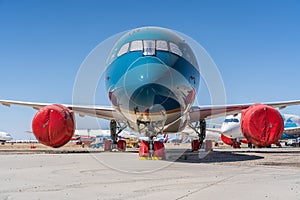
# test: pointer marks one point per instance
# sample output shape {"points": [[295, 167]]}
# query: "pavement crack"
{"points": [[205, 187]]}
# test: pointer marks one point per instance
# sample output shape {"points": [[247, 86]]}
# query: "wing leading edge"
{"points": [[104, 112], [198, 113]]}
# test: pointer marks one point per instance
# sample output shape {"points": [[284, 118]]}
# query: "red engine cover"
{"points": [[53, 125], [262, 125]]}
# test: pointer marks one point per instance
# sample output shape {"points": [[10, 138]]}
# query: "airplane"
{"points": [[152, 78], [232, 134], [4, 137]]}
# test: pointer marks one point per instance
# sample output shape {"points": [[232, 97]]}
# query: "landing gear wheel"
{"points": [[159, 151], [107, 145], [195, 145], [250, 145], [144, 150], [278, 144], [236, 145], [121, 145]]}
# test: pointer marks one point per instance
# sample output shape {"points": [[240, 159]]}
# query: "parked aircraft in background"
{"points": [[152, 78], [4, 137], [232, 133]]}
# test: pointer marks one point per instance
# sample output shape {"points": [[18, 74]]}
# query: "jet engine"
{"points": [[262, 125], [53, 125]]}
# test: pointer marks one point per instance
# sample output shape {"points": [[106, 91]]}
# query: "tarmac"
{"points": [[116, 175]]}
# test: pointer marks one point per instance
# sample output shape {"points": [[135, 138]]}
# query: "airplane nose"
{"points": [[147, 70], [152, 94], [225, 129], [147, 83]]}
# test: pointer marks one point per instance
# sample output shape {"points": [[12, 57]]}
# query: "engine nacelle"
{"points": [[262, 125], [53, 125]]}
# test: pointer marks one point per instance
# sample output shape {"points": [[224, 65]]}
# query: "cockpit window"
{"points": [[123, 49], [175, 49], [149, 48], [231, 120], [161, 45], [136, 45]]}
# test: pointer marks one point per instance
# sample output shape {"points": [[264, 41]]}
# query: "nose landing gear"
{"points": [[152, 150]]}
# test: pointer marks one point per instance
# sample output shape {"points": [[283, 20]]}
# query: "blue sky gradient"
{"points": [[255, 45]]}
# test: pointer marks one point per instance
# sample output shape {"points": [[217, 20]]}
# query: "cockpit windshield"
{"points": [[149, 47], [136, 45], [231, 120]]}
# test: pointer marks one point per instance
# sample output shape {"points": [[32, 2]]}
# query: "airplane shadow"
{"points": [[212, 157]]}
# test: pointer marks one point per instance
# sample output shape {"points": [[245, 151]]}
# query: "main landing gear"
{"points": [[115, 129], [200, 129], [236, 144]]}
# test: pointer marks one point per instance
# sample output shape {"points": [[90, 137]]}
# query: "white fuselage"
{"points": [[231, 126], [5, 137]]}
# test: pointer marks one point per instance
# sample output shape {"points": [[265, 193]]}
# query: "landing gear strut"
{"points": [[151, 147], [202, 133], [113, 132], [200, 129], [115, 129]]}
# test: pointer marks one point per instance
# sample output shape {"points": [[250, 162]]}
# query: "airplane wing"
{"points": [[88, 110], [292, 131], [198, 113], [214, 130]]}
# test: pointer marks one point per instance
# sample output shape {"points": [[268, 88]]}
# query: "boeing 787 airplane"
{"points": [[152, 78]]}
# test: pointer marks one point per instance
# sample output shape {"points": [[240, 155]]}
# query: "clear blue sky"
{"points": [[255, 45]]}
